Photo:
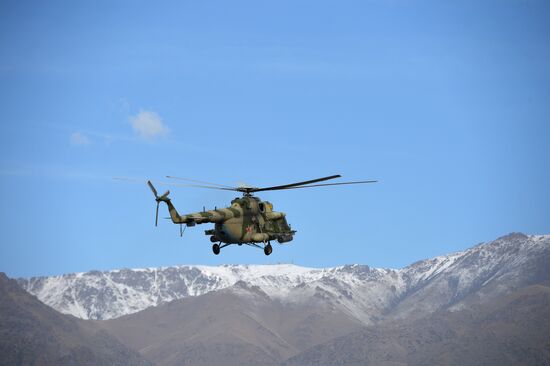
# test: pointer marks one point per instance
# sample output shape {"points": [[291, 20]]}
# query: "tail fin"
{"points": [[176, 219]]}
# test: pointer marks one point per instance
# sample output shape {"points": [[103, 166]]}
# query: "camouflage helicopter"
{"points": [[248, 220]]}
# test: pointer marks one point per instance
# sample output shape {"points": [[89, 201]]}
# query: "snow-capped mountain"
{"points": [[365, 294]]}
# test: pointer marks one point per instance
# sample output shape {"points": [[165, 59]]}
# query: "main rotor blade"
{"points": [[171, 184], [196, 185], [198, 181], [333, 184], [135, 180], [287, 186], [126, 179]]}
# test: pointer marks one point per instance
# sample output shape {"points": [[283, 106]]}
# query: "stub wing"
{"points": [[210, 216]]}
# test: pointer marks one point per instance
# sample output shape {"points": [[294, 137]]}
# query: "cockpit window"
{"points": [[262, 207]]}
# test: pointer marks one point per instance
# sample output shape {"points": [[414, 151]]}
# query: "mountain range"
{"points": [[360, 291], [489, 303]]}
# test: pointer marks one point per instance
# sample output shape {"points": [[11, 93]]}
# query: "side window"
{"points": [[262, 207]]}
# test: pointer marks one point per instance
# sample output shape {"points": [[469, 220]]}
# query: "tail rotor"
{"points": [[164, 197]]}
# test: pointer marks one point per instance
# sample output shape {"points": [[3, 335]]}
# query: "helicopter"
{"points": [[248, 220]]}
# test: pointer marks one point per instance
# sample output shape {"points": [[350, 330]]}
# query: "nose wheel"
{"points": [[268, 249], [216, 249]]}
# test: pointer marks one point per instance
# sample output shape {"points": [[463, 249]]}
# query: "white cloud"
{"points": [[78, 138], [148, 125]]}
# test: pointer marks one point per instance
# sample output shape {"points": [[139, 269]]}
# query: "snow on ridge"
{"points": [[355, 288], [533, 241]]}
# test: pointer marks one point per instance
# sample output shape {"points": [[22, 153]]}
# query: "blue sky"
{"points": [[446, 103]]}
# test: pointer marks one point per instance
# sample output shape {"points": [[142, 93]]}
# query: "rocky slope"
{"points": [[32, 333], [509, 330], [239, 325]]}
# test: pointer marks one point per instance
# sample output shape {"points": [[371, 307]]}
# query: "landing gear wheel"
{"points": [[268, 249], [216, 249]]}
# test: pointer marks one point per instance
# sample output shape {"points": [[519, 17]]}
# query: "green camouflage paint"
{"points": [[243, 214]]}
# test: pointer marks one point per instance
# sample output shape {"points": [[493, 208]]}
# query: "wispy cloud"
{"points": [[80, 139], [148, 125]]}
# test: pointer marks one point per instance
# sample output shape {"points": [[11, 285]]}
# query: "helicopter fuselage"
{"points": [[247, 220]]}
